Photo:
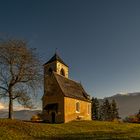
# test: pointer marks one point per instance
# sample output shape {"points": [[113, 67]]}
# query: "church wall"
{"points": [[70, 112], [56, 66], [52, 94], [59, 114], [50, 65]]}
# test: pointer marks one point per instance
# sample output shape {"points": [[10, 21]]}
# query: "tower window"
{"points": [[62, 72], [50, 70], [77, 107]]}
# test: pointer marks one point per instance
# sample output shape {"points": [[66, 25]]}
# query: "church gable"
{"points": [[52, 89]]}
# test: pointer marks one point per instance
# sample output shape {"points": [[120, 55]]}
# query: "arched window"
{"points": [[77, 107], [88, 109], [62, 72]]}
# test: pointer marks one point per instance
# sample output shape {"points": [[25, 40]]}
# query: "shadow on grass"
{"points": [[100, 135]]}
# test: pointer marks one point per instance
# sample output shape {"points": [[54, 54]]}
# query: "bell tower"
{"points": [[57, 65]]}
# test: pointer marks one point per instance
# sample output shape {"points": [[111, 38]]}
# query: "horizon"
{"points": [[17, 107]]}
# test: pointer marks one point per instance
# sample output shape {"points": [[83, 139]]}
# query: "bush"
{"points": [[132, 119], [37, 117]]}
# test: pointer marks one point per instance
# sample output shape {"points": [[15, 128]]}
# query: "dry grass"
{"points": [[19, 130]]}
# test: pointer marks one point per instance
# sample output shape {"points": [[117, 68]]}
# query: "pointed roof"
{"points": [[71, 88], [56, 58]]}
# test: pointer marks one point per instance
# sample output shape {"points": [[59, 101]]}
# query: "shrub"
{"points": [[36, 117], [132, 119]]}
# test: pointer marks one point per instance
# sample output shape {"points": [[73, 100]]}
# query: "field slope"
{"points": [[19, 130]]}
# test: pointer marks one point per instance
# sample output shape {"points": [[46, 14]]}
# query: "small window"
{"points": [[88, 109], [77, 107], [62, 72]]}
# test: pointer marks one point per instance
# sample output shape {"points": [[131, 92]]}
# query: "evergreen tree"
{"points": [[105, 111], [101, 112], [95, 109], [114, 110]]}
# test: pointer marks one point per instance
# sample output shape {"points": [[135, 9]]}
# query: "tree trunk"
{"points": [[10, 107]]}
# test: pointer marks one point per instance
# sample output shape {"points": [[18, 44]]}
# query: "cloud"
{"points": [[2, 106], [124, 93], [16, 107], [19, 107]]}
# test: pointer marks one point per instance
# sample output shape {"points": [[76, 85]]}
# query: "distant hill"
{"points": [[128, 104], [21, 114]]}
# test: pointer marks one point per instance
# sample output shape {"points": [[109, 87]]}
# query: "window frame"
{"points": [[88, 109], [62, 72], [77, 107]]}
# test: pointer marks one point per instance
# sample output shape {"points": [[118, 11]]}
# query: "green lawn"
{"points": [[18, 130]]}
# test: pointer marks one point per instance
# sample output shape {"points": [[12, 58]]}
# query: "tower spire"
{"points": [[55, 50]]}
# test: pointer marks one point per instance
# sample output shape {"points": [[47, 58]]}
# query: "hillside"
{"points": [[128, 104], [21, 114], [19, 130]]}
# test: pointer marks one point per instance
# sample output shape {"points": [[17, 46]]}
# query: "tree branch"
{"points": [[4, 88], [15, 97]]}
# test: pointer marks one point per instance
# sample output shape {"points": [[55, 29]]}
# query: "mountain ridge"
{"points": [[128, 103], [20, 114]]}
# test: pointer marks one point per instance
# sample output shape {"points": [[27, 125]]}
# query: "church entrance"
{"points": [[53, 117]]}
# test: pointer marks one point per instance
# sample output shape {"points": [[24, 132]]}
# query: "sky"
{"points": [[98, 39]]}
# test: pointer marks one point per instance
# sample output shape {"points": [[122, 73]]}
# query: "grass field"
{"points": [[18, 130]]}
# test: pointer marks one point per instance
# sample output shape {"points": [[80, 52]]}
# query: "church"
{"points": [[64, 99]]}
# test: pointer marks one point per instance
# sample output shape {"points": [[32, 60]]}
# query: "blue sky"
{"points": [[98, 39]]}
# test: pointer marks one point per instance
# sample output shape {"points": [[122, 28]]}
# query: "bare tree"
{"points": [[20, 73]]}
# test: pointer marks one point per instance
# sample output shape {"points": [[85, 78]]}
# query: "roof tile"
{"points": [[71, 88]]}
